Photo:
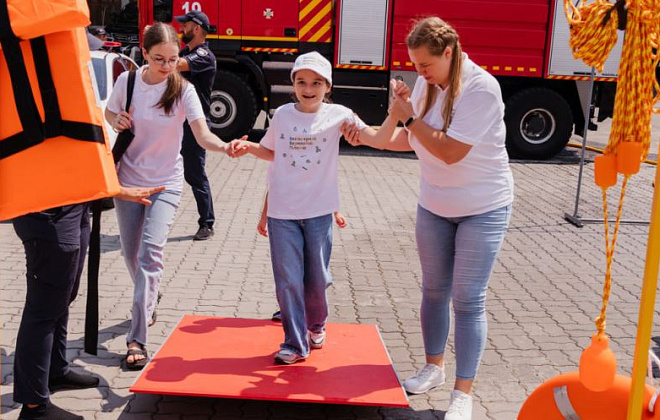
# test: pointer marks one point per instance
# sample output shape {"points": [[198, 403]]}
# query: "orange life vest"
{"points": [[53, 149]]}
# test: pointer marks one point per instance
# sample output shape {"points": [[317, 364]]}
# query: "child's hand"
{"points": [[351, 133], [262, 227], [238, 148], [399, 89], [340, 220]]}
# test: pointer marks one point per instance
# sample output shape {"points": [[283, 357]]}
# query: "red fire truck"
{"points": [[524, 44]]}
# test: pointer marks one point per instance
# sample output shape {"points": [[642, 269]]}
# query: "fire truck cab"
{"points": [[524, 44]]}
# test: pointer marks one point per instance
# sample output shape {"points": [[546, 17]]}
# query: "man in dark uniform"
{"points": [[198, 66], [55, 243]]}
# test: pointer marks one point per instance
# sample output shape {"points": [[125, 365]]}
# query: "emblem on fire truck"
{"points": [[269, 13]]}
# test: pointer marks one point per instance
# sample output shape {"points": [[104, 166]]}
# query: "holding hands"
{"points": [[238, 147], [351, 133], [400, 110]]}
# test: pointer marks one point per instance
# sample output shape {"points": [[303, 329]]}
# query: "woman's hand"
{"points": [[401, 109], [123, 121], [340, 220], [138, 194], [351, 133], [262, 227], [238, 148], [399, 89]]}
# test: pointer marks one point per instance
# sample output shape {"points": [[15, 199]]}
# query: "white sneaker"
{"points": [[460, 406], [316, 340], [287, 357], [428, 377]]}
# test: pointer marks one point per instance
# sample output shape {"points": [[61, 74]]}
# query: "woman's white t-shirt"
{"points": [[154, 156], [482, 180], [302, 179]]}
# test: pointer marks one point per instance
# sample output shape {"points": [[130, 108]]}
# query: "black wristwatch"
{"points": [[409, 121]]}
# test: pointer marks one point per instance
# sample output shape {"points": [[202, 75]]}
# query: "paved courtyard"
{"points": [[544, 293]]}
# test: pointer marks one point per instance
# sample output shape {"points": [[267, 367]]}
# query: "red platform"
{"points": [[233, 358]]}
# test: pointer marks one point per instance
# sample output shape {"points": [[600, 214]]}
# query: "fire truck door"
{"points": [[561, 61], [363, 33], [270, 20]]}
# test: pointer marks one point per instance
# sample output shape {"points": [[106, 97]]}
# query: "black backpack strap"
{"points": [[94, 258], [124, 139], [129, 89], [93, 264]]}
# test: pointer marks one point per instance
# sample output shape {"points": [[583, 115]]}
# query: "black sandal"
{"points": [[136, 364]]}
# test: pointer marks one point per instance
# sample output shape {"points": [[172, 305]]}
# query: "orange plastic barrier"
{"points": [[53, 149], [565, 393]]}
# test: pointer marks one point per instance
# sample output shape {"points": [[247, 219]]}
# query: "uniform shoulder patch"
{"points": [[202, 52]]}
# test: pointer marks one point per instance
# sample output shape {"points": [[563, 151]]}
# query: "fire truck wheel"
{"points": [[539, 123], [233, 106]]}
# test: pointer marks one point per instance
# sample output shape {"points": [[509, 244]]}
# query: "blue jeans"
{"points": [[300, 254], [143, 232], [457, 255]]}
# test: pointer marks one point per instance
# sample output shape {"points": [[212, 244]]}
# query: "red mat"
{"points": [[233, 358]]}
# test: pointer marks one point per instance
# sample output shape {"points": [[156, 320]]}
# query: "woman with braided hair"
{"points": [[453, 120]]}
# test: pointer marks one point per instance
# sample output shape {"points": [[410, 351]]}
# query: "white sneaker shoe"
{"points": [[428, 377], [288, 357], [460, 406], [316, 340]]}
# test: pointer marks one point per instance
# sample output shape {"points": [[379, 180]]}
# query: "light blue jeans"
{"points": [[300, 254], [457, 255], [143, 232]]}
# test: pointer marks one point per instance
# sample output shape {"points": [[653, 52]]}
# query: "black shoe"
{"points": [[204, 233], [277, 316], [72, 380], [48, 411]]}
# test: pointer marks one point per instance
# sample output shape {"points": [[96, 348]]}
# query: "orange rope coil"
{"points": [[593, 30]]}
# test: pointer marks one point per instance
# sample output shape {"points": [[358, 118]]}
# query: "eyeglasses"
{"points": [[161, 61]]}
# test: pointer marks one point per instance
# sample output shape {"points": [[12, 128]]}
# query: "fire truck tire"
{"points": [[539, 123], [234, 106]]}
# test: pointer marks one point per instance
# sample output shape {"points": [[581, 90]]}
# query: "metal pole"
{"points": [[646, 309], [575, 217]]}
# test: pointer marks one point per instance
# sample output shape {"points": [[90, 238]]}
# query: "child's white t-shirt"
{"points": [[482, 180], [154, 156], [302, 179]]}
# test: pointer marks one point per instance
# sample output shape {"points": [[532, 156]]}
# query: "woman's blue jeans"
{"points": [[300, 254], [457, 255], [143, 232]]}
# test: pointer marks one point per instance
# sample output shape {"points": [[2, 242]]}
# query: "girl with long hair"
{"points": [[162, 100]]}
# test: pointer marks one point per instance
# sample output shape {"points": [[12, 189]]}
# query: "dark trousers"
{"points": [[53, 278], [194, 163]]}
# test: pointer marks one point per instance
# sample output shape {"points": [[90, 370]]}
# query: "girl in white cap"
{"points": [[303, 144]]}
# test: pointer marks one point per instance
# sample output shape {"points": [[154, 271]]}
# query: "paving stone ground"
{"points": [[544, 293]]}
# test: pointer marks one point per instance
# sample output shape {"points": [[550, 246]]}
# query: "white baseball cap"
{"points": [[315, 62]]}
